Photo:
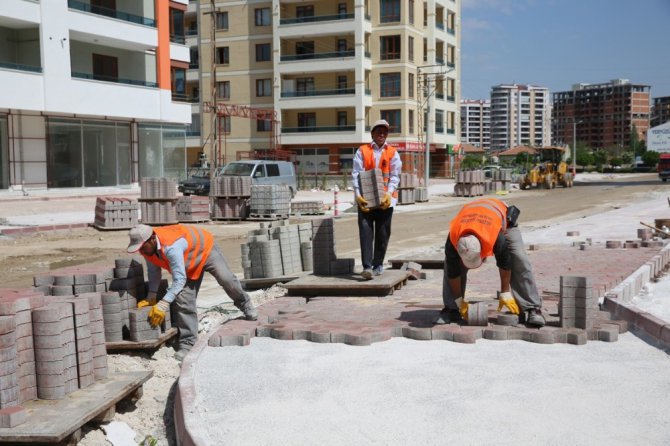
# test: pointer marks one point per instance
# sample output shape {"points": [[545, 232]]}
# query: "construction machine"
{"points": [[550, 170]]}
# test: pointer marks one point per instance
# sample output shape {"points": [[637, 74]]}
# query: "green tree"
{"points": [[650, 158], [471, 162], [634, 138], [600, 159], [627, 158], [584, 157]]}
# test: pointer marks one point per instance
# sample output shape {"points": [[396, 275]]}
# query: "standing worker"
{"points": [[484, 228], [186, 252], [374, 225]]}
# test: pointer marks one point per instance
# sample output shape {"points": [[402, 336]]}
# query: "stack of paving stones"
{"points": [[192, 209], [270, 201], [158, 201], [314, 207], [470, 183], [406, 190], [371, 183], [230, 197], [115, 213], [501, 180], [324, 258], [276, 249], [73, 280], [420, 194], [140, 328]]}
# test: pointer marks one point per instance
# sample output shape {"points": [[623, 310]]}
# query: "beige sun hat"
{"points": [[381, 122], [470, 250], [138, 235]]}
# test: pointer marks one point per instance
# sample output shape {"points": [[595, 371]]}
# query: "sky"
{"points": [[558, 43]]}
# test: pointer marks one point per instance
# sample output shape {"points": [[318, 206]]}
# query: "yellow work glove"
{"points": [[149, 301], [462, 308], [157, 313], [362, 203], [507, 300], [386, 201]]}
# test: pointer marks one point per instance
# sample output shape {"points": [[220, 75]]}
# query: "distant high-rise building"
{"points": [[520, 115], [660, 111], [476, 123], [603, 115], [324, 71], [92, 92]]}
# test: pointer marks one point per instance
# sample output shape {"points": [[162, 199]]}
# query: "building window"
{"points": [[342, 9], [224, 124], [223, 90], [393, 118], [410, 119], [410, 85], [341, 82], [263, 87], [304, 50], [410, 48], [306, 120], [222, 20], [222, 55], [263, 52], [262, 17], [390, 85], [178, 82], [411, 12], [389, 11], [105, 68], [304, 11], [390, 47], [341, 119], [263, 125], [439, 121], [341, 45], [304, 86]]}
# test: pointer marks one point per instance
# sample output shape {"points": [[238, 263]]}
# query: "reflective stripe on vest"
{"points": [[199, 245], [480, 218], [385, 158]]}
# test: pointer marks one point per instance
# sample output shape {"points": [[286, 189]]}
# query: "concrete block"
{"points": [[12, 416]]}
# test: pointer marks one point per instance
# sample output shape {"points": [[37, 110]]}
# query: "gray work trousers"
{"points": [[522, 283], [184, 312]]}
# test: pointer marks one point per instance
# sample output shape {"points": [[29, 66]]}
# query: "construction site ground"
{"points": [[401, 390]]}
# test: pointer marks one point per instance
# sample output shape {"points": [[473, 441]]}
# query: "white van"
{"points": [[264, 172]]}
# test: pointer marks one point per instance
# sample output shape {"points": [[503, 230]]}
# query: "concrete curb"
{"points": [[32, 230]]}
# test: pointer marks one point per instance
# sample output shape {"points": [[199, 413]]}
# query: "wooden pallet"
{"points": [[427, 262], [268, 216], [110, 228], [60, 421], [347, 285], [142, 345], [267, 282]]}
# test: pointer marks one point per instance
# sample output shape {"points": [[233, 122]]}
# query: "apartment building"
{"points": [[91, 92], [660, 111], [601, 115], [476, 123], [311, 76], [520, 116]]}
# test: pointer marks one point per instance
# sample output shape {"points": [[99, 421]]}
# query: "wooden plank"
{"points": [[52, 421], [427, 261], [267, 282], [142, 345], [347, 285]]}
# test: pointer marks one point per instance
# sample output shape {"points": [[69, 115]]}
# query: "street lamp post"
{"points": [[574, 146]]}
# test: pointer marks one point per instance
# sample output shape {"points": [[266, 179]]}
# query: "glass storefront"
{"points": [[4, 154], [162, 151], [88, 153]]}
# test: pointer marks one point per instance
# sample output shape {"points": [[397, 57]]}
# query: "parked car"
{"points": [[264, 172], [488, 170], [196, 183]]}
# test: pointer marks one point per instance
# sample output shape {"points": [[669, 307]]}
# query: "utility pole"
{"points": [[213, 130]]}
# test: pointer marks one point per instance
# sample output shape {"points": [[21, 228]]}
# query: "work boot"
{"points": [[367, 274], [447, 316], [181, 354], [249, 311], [534, 317], [378, 270]]}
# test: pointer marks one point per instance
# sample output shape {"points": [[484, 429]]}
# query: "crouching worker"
{"points": [[186, 252], [483, 228]]}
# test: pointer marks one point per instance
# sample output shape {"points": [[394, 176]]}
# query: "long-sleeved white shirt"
{"points": [[394, 173]]}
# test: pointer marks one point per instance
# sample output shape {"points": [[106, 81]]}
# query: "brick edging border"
{"points": [[32, 230]]}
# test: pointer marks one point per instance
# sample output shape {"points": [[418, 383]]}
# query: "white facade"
{"points": [[658, 138], [520, 115]]}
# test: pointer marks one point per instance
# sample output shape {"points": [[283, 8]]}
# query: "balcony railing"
{"points": [[176, 38], [178, 97], [192, 32], [451, 65], [316, 18], [321, 129], [117, 80], [333, 55], [450, 131], [21, 67], [451, 31], [439, 25], [451, 98], [439, 60], [439, 95], [81, 6], [194, 66], [296, 94]]}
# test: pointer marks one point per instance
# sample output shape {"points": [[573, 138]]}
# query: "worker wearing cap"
{"points": [[483, 228], [186, 252], [374, 225]]}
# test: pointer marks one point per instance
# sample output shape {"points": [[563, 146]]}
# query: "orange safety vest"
{"points": [[200, 243], [384, 163], [483, 218]]}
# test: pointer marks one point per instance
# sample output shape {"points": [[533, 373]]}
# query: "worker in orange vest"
{"points": [[483, 228], [186, 252], [374, 225]]}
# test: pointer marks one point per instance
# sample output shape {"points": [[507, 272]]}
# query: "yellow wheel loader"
{"points": [[549, 171]]}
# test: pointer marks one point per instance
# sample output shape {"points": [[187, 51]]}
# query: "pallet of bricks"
{"points": [[230, 197], [270, 202], [470, 183], [115, 213], [409, 190], [192, 209], [54, 339], [277, 249], [501, 180], [158, 201], [314, 207]]}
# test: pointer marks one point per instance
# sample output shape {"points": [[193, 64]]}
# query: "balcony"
{"points": [[99, 10], [312, 19], [117, 80], [330, 55], [20, 67], [319, 129], [296, 94]]}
